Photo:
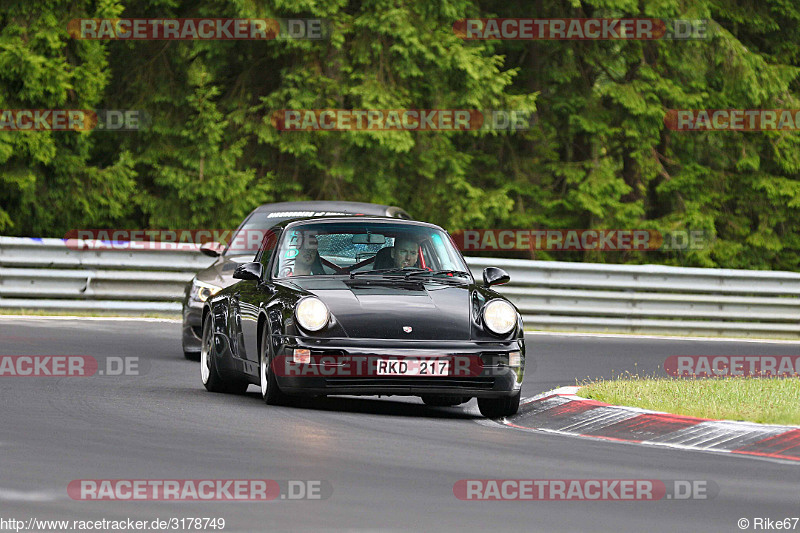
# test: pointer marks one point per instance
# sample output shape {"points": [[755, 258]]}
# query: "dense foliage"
{"points": [[599, 155]]}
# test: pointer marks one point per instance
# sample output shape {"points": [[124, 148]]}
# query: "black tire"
{"points": [[499, 407], [271, 393], [209, 375], [443, 401], [191, 356]]}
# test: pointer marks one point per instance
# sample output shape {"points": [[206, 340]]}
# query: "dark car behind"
{"points": [[243, 245]]}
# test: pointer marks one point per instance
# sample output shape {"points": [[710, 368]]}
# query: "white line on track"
{"points": [[11, 495], [537, 333], [96, 318], [661, 337]]}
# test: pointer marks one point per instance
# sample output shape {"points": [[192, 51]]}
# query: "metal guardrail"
{"points": [[554, 295], [44, 274]]}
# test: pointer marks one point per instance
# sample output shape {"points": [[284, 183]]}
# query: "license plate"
{"points": [[413, 367]]}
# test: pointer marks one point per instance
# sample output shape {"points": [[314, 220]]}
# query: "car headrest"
{"points": [[383, 259]]}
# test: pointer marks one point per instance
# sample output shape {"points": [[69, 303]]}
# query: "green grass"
{"points": [[762, 400]]}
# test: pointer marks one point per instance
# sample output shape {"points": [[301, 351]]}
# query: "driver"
{"points": [[405, 252], [308, 262]]}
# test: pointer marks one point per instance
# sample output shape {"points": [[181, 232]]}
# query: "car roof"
{"points": [[364, 218], [311, 208], [280, 212]]}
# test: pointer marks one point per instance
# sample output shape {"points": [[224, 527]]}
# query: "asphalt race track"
{"points": [[391, 462]]}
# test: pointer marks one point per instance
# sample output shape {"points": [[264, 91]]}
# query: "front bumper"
{"points": [[348, 366]]}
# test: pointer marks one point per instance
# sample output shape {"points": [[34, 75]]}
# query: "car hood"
{"points": [[383, 308]]}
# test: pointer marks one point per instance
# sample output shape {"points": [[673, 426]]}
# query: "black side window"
{"points": [[268, 245]]}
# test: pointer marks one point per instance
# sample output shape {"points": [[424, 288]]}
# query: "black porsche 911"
{"points": [[366, 306]]}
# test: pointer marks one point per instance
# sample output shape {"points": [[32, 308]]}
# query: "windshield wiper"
{"points": [[432, 273], [383, 271]]}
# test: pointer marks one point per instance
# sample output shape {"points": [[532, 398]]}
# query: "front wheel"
{"points": [[270, 392], [212, 381], [499, 407]]}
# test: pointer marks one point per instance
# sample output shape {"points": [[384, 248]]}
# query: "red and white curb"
{"points": [[561, 411]]}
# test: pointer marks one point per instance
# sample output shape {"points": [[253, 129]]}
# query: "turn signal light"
{"points": [[302, 356]]}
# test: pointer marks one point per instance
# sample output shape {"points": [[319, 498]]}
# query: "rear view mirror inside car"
{"points": [[369, 238]]}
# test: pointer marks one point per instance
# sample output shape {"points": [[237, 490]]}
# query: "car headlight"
{"points": [[312, 314], [499, 316], [203, 291]]}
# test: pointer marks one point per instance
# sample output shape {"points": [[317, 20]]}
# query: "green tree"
{"points": [[47, 181], [599, 155]]}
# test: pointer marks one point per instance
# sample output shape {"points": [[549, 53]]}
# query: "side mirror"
{"points": [[495, 276], [211, 249], [252, 271]]}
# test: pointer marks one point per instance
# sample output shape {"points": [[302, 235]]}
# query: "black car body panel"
{"points": [[360, 306], [220, 273], [371, 318]]}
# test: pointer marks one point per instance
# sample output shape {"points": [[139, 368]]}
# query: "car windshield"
{"points": [[367, 248]]}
